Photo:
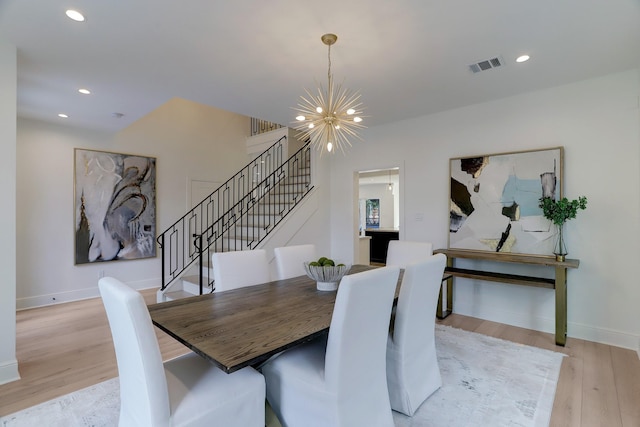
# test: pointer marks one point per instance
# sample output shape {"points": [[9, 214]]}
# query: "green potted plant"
{"points": [[559, 212]]}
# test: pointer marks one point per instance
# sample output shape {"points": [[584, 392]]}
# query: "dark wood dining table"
{"points": [[246, 326]]}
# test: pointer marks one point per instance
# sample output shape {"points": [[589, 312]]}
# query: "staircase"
{"points": [[239, 215]]}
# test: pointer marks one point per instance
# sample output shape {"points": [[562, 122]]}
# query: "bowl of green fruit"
{"points": [[326, 273]]}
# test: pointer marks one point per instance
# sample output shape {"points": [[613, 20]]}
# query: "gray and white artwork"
{"points": [[115, 206], [494, 201]]}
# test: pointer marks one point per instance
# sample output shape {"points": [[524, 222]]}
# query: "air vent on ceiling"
{"points": [[486, 65]]}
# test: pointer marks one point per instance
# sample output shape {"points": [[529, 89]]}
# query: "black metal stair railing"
{"points": [[259, 126], [258, 213], [238, 215]]}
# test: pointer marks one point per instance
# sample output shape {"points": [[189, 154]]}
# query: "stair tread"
{"points": [[192, 279], [174, 295], [301, 177], [264, 213]]}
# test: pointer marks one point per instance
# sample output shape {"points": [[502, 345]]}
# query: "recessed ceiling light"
{"points": [[63, 115], [522, 58], [84, 91], [75, 15]]}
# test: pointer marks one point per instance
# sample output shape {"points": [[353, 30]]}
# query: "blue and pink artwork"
{"points": [[494, 201]]}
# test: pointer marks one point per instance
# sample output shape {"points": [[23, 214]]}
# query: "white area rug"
{"points": [[486, 382], [98, 405]]}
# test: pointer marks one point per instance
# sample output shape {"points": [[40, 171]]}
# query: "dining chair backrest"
{"points": [[413, 373], [405, 252], [290, 260], [143, 385], [237, 269], [356, 346], [340, 379], [417, 303]]}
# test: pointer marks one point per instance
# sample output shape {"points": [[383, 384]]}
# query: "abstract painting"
{"points": [[494, 201], [115, 206], [373, 213]]}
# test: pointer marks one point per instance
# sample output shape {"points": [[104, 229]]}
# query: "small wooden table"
{"points": [[246, 326], [559, 282]]}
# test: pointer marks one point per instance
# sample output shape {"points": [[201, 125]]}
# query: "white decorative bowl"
{"points": [[327, 277]]}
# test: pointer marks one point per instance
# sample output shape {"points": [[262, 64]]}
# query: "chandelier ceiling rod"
{"points": [[329, 39]]}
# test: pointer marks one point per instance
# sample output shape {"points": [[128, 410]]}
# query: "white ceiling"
{"points": [[407, 57]]}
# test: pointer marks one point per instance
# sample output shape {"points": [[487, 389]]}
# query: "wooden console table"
{"points": [[559, 282]]}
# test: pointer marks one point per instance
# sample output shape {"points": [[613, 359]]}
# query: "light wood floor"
{"points": [[67, 347]]}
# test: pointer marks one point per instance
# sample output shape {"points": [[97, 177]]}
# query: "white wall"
{"points": [[189, 140], [598, 123], [8, 76]]}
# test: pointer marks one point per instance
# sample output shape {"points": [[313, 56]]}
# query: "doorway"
{"points": [[378, 213]]}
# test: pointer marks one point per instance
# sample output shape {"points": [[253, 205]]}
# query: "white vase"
{"points": [[327, 286]]}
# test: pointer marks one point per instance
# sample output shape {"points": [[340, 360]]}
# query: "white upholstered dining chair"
{"points": [[413, 373], [237, 269], [187, 390], [290, 260], [340, 380], [405, 252]]}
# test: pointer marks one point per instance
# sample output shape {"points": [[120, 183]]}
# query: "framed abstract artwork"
{"points": [[115, 206], [493, 203], [373, 213]]}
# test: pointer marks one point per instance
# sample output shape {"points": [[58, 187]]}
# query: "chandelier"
{"points": [[331, 117]]}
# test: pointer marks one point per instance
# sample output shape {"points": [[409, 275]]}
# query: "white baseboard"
{"points": [[546, 324], [77, 294], [9, 372], [604, 336]]}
